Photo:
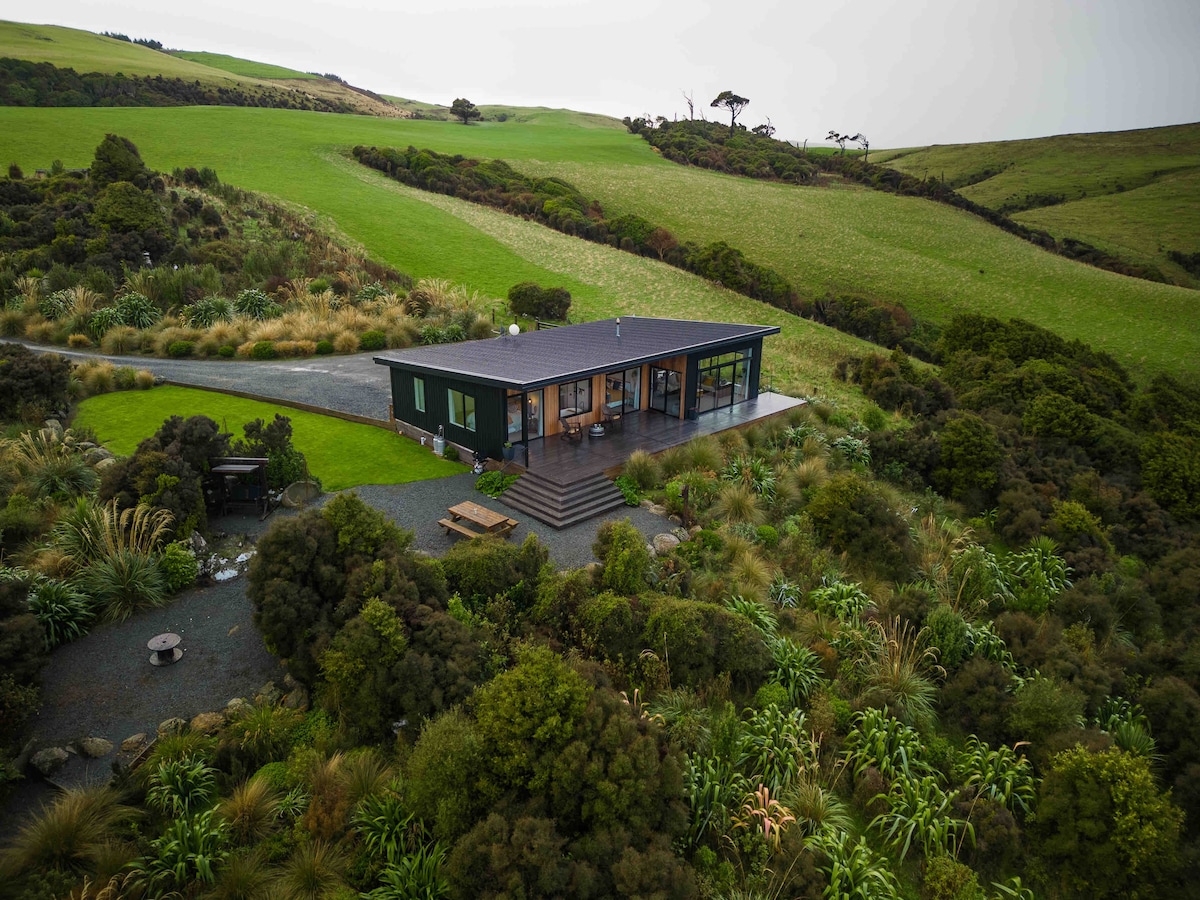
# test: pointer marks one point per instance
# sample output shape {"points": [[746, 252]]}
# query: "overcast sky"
{"points": [[903, 73]]}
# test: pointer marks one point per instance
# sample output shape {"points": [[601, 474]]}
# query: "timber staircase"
{"points": [[562, 504]]}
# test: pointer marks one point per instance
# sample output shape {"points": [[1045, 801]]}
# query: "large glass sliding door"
{"points": [[533, 410], [623, 391], [665, 388], [722, 380]]}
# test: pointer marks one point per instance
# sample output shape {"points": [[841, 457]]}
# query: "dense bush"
{"points": [[536, 302], [32, 385]]}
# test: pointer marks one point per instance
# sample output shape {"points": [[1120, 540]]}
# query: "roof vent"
{"points": [[618, 327]]}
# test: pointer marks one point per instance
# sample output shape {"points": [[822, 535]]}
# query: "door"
{"points": [[665, 387]]}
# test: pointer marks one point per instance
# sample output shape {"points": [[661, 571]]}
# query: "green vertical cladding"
{"points": [[490, 419]]}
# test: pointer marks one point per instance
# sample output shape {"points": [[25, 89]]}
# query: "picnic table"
{"points": [[489, 521]]}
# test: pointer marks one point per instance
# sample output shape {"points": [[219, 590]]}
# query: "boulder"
{"points": [[237, 706], [665, 543], [174, 725], [207, 722], [104, 465], [134, 742], [197, 544], [55, 426], [49, 760], [268, 695], [682, 533], [95, 747], [658, 509], [96, 455], [694, 530], [297, 698]]}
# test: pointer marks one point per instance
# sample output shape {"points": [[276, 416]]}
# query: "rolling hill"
{"points": [[838, 239], [1135, 194], [85, 52]]}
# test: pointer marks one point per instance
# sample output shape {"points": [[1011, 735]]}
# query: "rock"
{"points": [[86, 445], [594, 569], [134, 742], [55, 426], [96, 455], [95, 747], [174, 725], [50, 760], [650, 549], [197, 544], [658, 509], [694, 530], [682, 533], [289, 682], [237, 706], [104, 464], [665, 543], [646, 504], [207, 722], [676, 519], [268, 694], [297, 698]]}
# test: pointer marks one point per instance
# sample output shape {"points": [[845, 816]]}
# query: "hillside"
{"points": [[833, 239], [1132, 193], [86, 52]]}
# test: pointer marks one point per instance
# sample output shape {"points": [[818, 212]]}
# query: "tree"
{"points": [[839, 139], [862, 141], [464, 109], [766, 129], [661, 241], [732, 102], [117, 159]]}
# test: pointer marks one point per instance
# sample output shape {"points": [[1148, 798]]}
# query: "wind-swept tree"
{"points": [[839, 139], [862, 141], [464, 109], [732, 102], [766, 129]]}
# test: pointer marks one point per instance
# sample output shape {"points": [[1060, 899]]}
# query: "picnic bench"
{"points": [[463, 515]]}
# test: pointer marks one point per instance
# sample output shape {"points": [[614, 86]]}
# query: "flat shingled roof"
{"points": [[535, 359]]}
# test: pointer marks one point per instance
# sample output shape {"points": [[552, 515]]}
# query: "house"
{"points": [[516, 389]]}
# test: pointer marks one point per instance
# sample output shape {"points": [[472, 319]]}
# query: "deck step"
{"points": [[561, 506]]}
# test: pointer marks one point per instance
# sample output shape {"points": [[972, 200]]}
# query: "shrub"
{"points": [[372, 340], [79, 341], [530, 299], [622, 549], [642, 469], [227, 352], [263, 350], [179, 567], [346, 342], [324, 348], [63, 612], [494, 483], [143, 380], [180, 349], [628, 490], [124, 582], [451, 453]]}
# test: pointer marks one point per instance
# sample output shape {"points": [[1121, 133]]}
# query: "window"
{"points": [[576, 395], [419, 394], [462, 409]]}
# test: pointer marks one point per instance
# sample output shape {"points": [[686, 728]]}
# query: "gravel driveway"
{"points": [[351, 384]]}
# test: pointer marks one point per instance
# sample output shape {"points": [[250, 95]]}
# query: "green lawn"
{"points": [[342, 454], [850, 240], [245, 67]]}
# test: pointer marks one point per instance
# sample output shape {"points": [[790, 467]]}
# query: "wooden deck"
{"points": [[567, 462]]}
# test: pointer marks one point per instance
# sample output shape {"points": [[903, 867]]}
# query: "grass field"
{"points": [[125, 418], [843, 240], [244, 67], [1136, 193], [87, 52]]}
